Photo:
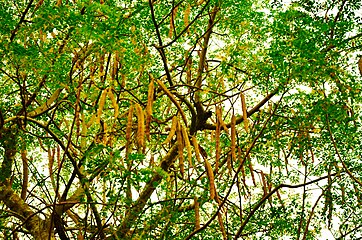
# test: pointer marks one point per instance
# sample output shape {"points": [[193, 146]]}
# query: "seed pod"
{"points": [[102, 101], [186, 139], [187, 15], [228, 164], [92, 120], [221, 121], [173, 99], [150, 97], [263, 181], [84, 132], [252, 171], [196, 147], [217, 145], [172, 22], [114, 103], [233, 137], [197, 214], [141, 126], [222, 228], [180, 148], [210, 175], [245, 113], [188, 62], [129, 123], [172, 130], [58, 157]]}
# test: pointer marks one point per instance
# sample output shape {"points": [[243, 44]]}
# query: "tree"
{"points": [[180, 119]]}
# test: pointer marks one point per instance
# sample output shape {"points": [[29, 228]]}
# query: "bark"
{"points": [[38, 227]]}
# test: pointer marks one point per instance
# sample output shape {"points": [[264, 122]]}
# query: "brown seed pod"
{"points": [[84, 132], [172, 130], [129, 123], [233, 137], [180, 144], [196, 147], [221, 224], [228, 164], [186, 139], [102, 101], [221, 121], [197, 214], [140, 125], [173, 99], [252, 171], [114, 103], [245, 113], [263, 181], [187, 15], [150, 98], [210, 175], [217, 145], [172, 22]]}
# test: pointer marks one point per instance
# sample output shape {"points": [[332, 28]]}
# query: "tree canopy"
{"points": [[207, 119]]}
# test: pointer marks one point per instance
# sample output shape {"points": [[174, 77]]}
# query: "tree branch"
{"points": [[133, 213]]}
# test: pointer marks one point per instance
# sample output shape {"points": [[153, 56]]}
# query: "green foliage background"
{"points": [[75, 104]]}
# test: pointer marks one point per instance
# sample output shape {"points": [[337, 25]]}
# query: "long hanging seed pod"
{"points": [[228, 164], [187, 15], [180, 143], [210, 175], [129, 123], [172, 22], [150, 97], [185, 136], [217, 145], [197, 214], [141, 126], [251, 171], [188, 62], [172, 130], [114, 103], [245, 113], [219, 117], [173, 99], [115, 65], [102, 101], [196, 147], [222, 228], [129, 129], [83, 139], [233, 137], [264, 183]]}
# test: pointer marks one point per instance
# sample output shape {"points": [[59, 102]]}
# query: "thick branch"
{"points": [[249, 113], [133, 213], [33, 223], [204, 52], [22, 19]]}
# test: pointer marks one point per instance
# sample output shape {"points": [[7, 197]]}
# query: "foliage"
{"points": [[181, 119]]}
